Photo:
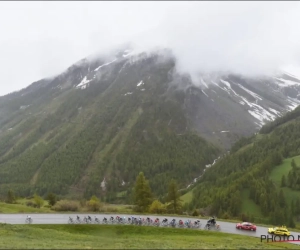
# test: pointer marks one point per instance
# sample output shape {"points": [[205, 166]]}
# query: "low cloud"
{"points": [[41, 39], [249, 38]]}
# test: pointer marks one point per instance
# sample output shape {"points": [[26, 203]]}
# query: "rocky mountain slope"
{"points": [[91, 129]]}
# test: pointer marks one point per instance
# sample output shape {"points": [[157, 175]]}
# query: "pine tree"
{"points": [[10, 197], [293, 164], [220, 213], [279, 216], [291, 222], [293, 207], [281, 199], [142, 194], [174, 197], [51, 199], [297, 207], [290, 179], [283, 181]]}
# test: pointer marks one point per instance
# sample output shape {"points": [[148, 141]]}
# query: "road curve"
{"points": [[226, 227]]}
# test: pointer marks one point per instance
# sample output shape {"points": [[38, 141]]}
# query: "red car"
{"points": [[246, 226]]}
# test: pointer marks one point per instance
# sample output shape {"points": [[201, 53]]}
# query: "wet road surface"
{"points": [[226, 227]]}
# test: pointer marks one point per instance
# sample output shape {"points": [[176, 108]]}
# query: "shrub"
{"points": [[83, 203], [226, 216], [52, 199], [195, 213], [108, 209], [157, 207], [94, 204], [66, 205], [244, 217], [31, 204], [38, 201]]}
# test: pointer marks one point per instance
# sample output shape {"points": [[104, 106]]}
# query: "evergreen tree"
{"points": [[281, 199], [291, 222], [174, 197], [290, 179], [276, 159], [293, 164], [142, 194], [10, 197], [297, 207], [279, 216], [51, 199], [293, 209], [283, 181]]}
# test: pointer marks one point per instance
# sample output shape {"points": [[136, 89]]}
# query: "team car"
{"points": [[279, 231], [246, 226]]}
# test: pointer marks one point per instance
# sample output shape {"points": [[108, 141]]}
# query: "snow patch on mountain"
{"points": [[128, 52], [204, 83], [226, 83], [224, 89], [257, 111], [257, 97], [83, 83], [286, 83], [275, 112], [204, 92], [261, 114], [289, 74], [105, 65], [140, 83], [293, 103]]}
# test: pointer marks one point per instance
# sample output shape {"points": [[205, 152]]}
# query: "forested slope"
{"points": [[248, 167], [129, 120]]}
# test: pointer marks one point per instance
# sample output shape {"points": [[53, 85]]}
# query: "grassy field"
{"points": [[187, 197], [21, 207], [124, 237], [281, 170]]}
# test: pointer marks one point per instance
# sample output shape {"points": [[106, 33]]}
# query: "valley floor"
{"points": [[120, 237]]}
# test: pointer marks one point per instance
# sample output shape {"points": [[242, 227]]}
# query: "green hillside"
{"points": [[246, 183], [112, 130], [283, 169]]}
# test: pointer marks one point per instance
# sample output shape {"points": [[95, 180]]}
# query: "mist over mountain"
{"points": [[94, 127], [247, 38]]}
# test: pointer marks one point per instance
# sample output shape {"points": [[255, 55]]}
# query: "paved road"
{"points": [[227, 227]]}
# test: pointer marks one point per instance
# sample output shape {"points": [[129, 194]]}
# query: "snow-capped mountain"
{"points": [[110, 117], [220, 107]]}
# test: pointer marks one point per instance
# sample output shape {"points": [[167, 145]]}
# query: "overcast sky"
{"points": [[41, 39]]}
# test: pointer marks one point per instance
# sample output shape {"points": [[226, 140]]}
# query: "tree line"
{"points": [[145, 201], [292, 180]]}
